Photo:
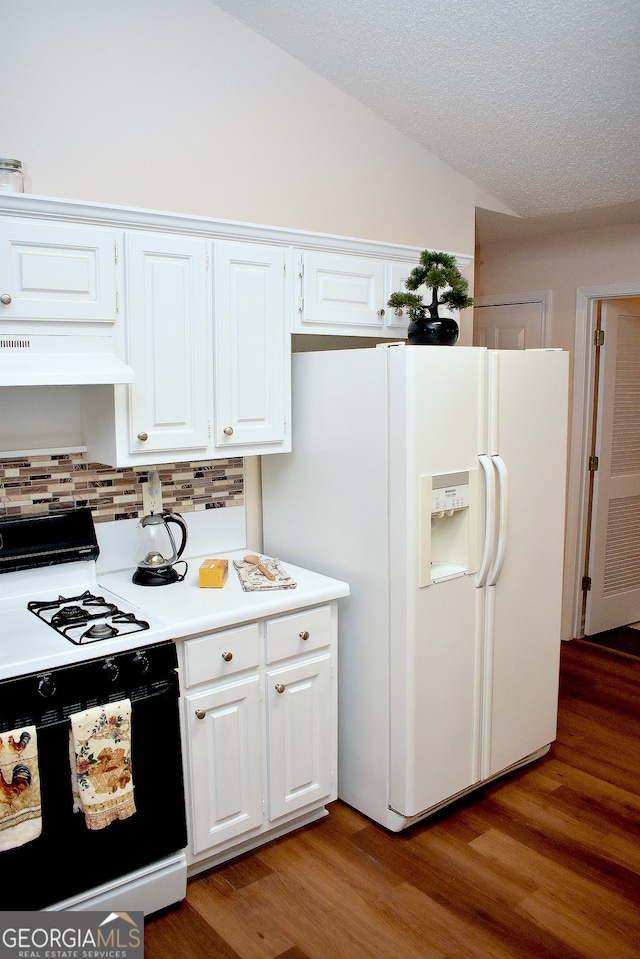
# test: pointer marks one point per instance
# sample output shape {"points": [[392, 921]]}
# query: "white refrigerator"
{"points": [[432, 480]]}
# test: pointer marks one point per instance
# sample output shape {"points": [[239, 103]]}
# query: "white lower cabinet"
{"points": [[224, 730], [260, 730], [299, 736]]}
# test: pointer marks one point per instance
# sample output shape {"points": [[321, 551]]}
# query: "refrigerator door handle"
{"points": [[489, 524], [503, 488]]}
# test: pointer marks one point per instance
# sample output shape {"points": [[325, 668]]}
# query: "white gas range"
{"points": [[58, 615]]}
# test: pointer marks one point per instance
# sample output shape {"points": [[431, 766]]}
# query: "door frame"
{"points": [[580, 432]]}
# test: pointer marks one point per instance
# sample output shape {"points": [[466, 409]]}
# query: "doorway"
{"points": [[605, 461], [611, 589]]}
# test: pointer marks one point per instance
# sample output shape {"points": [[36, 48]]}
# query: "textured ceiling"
{"points": [[536, 101]]}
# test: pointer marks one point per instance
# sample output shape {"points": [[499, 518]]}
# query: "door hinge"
{"points": [[301, 305], [593, 464], [598, 338], [586, 584], [115, 253]]}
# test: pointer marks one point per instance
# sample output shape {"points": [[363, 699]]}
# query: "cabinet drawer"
{"points": [[221, 654], [298, 633]]}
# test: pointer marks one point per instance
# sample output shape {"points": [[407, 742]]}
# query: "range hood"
{"points": [[39, 360]]}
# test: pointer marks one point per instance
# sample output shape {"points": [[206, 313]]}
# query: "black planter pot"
{"points": [[426, 331]]}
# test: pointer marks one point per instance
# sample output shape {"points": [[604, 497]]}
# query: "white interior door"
{"points": [[509, 326], [614, 555]]}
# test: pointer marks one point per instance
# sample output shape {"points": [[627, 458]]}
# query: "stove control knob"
{"points": [[201, 713], [111, 670], [142, 660], [46, 686]]}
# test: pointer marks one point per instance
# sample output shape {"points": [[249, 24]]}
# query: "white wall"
{"points": [[564, 262], [176, 106]]}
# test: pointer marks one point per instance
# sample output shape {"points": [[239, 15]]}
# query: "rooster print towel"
{"points": [[20, 808], [100, 753]]}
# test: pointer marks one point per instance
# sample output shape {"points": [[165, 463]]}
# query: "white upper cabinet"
{"points": [[192, 315], [168, 333], [251, 349], [345, 294], [56, 273], [342, 291]]}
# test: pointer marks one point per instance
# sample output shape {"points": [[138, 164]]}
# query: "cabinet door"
{"points": [[169, 343], [397, 320], [341, 294], [57, 273], [224, 730], [251, 346], [300, 735]]}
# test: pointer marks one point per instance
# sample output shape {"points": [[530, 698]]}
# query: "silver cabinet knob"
{"points": [[228, 431], [279, 688], [143, 436], [304, 634], [398, 311], [227, 657], [380, 312], [5, 299], [201, 713]]}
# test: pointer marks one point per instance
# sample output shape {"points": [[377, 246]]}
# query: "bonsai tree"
{"points": [[438, 271]]}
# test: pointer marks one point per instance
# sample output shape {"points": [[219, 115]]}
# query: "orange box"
{"points": [[214, 572]]}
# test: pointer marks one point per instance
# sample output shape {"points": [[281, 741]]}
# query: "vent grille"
{"points": [[622, 555], [625, 451], [15, 344]]}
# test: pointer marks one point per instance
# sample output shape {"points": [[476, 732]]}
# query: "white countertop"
{"points": [[188, 609]]}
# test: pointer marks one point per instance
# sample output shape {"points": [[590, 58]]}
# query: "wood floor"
{"points": [[544, 864]]}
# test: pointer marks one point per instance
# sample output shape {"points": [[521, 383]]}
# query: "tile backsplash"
{"points": [[32, 485]]}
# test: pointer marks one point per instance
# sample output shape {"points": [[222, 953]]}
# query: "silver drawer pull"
{"points": [[304, 634], [5, 299], [279, 688], [201, 713], [227, 657]]}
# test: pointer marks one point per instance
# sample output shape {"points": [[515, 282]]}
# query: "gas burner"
{"points": [[69, 614], [86, 618], [99, 631]]}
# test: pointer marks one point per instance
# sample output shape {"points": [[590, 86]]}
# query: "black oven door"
{"points": [[68, 858]]}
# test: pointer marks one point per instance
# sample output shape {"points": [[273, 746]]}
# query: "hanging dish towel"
{"points": [[100, 754], [252, 579], [20, 807]]}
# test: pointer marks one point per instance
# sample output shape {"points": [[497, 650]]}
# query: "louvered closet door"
{"points": [[614, 560]]}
